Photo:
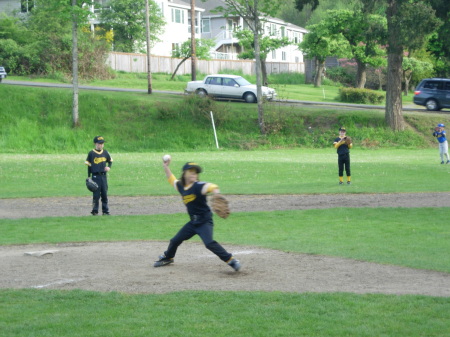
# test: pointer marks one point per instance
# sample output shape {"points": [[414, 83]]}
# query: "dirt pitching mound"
{"points": [[128, 267]]}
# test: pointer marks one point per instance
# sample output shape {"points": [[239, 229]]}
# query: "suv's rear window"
{"points": [[433, 85]]}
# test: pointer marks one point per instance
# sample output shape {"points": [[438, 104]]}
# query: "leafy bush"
{"points": [[362, 96], [340, 75]]}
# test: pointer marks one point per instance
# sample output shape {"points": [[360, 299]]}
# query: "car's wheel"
{"points": [[432, 105], [250, 98], [201, 93]]}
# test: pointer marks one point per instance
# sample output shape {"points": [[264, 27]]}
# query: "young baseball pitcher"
{"points": [[193, 193]]}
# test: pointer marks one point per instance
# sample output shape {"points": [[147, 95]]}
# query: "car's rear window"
{"points": [[433, 85]]}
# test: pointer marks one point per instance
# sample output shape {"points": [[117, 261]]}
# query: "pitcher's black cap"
{"points": [[191, 165]]}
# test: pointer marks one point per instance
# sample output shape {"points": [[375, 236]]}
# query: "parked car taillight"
{"points": [[416, 92]]}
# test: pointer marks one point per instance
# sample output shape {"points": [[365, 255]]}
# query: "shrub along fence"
{"points": [[137, 63]]}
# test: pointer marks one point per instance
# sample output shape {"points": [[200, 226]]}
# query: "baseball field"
{"points": [[318, 259]]}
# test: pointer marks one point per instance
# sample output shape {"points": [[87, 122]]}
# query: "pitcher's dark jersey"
{"points": [[97, 160], [193, 198]]}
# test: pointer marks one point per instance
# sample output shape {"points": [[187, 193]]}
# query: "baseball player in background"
{"points": [[343, 144], [440, 134], [194, 194], [99, 162]]}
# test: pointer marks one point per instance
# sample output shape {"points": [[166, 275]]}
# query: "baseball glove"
{"points": [[91, 185], [348, 140], [220, 206]]}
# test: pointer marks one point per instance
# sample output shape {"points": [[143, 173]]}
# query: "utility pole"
{"points": [[193, 56]]}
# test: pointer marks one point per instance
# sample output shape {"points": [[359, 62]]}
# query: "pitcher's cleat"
{"points": [[163, 261], [235, 264]]}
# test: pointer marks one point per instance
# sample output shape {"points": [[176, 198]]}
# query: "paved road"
{"points": [[406, 107]]}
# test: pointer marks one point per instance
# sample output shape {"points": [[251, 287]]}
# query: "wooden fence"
{"points": [[137, 63]]}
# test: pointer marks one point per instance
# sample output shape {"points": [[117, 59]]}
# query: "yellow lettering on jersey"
{"points": [[188, 198], [98, 160]]}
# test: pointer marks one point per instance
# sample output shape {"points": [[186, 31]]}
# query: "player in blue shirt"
{"points": [[440, 134]]}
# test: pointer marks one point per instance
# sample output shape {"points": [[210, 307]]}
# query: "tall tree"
{"points": [[127, 19], [253, 12], [319, 44], [74, 12], [365, 33], [403, 17], [267, 45], [409, 23]]}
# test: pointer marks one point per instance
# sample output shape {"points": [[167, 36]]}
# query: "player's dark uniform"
{"points": [[96, 162], [343, 152], [200, 223]]}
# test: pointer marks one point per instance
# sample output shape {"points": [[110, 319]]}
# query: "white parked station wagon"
{"points": [[228, 86]]}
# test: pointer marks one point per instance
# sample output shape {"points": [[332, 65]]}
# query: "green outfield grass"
{"points": [[222, 314], [295, 171]]}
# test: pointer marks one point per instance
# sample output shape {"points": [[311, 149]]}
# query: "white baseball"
{"points": [[166, 157]]}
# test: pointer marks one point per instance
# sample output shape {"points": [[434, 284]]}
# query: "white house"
{"points": [[177, 30], [12, 6], [221, 29]]}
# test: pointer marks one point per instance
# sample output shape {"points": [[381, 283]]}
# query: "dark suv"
{"points": [[434, 93], [2, 73]]}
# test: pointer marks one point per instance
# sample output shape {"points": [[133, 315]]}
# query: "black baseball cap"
{"points": [[191, 165], [342, 129], [99, 139]]}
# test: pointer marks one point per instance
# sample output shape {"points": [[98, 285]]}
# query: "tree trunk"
{"points": [[264, 73], [394, 112], [320, 65], [407, 75], [361, 75], [394, 109], [262, 127], [75, 119], [147, 29], [178, 66], [193, 51], [380, 77]]}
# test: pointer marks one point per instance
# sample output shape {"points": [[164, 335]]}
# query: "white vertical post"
{"points": [[323, 89], [214, 128]]}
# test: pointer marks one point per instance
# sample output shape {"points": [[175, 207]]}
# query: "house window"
{"points": [[161, 8], [189, 26], [273, 29], [283, 55], [296, 39], [283, 31], [26, 5], [176, 47], [177, 15], [206, 26], [274, 54]]}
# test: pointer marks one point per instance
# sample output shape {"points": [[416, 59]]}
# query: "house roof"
{"points": [[187, 4], [210, 5]]}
